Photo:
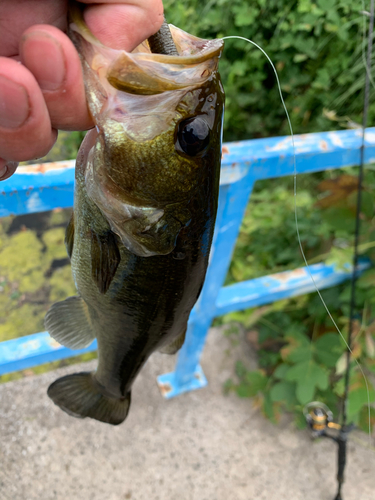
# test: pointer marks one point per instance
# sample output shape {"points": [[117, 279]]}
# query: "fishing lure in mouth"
{"points": [[147, 180]]}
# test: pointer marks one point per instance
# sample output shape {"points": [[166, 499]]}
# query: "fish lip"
{"points": [[143, 72], [201, 49]]}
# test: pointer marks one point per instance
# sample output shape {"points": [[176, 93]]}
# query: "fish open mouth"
{"points": [[145, 73], [142, 72]]}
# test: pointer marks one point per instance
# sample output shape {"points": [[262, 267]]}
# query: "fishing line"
{"points": [[364, 31], [296, 218]]}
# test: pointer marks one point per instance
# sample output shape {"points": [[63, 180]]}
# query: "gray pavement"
{"points": [[200, 446]]}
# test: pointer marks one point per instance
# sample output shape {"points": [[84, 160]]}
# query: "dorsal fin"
{"points": [[105, 258]]}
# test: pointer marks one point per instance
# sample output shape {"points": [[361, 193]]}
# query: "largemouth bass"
{"points": [[146, 192]]}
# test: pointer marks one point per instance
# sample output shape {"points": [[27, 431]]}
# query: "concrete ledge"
{"points": [[200, 446]]}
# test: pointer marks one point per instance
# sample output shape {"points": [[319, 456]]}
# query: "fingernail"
{"points": [[3, 171], [44, 58], [8, 169], [14, 103]]}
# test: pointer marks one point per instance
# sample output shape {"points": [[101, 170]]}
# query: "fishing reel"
{"points": [[319, 418]]}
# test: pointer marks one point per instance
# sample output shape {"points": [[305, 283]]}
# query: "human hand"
{"points": [[41, 83]]}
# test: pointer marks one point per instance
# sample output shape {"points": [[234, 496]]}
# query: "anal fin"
{"points": [[68, 322], [79, 396], [175, 345]]}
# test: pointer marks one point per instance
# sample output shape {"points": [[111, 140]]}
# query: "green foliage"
{"points": [[301, 355], [34, 273], [62, 285], [303, 39]]}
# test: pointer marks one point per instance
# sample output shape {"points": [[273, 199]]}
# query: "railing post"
{"points": [[188, 374]]}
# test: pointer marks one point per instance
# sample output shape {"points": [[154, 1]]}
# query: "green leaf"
{"points": [[367, 279], [257, 380], [240, 369], [284, 392], [300, 420], [244, 390], [359, 393], [300, 57], [298, 349], [269, 408], [326, 5], [253, 383], [367, 204], [356, 399], [339, 387], [340, 219], [245, 14], [328, 349], [308, 376], [299, 354], [281, 371], [228, 386], [363, 421]]}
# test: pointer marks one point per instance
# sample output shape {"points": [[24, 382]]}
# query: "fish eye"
{"points": [[193, 135]]}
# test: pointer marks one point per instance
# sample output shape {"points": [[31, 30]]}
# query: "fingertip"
{"points": [[31, 136], [52, 58], [124, 26]]}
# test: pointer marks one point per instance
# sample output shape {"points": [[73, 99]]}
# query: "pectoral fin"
{"points": [[69, 236], [68, 322], [175, 345], [105, 258]]}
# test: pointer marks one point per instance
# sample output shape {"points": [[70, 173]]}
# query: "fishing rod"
{"points": [[317, 415]]}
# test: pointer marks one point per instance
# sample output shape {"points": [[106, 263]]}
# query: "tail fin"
{"points": [[79, 396]]}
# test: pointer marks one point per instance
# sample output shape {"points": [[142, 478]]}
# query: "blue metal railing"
{"points": [[45, 187]]}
